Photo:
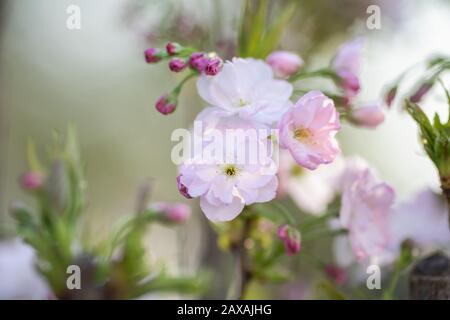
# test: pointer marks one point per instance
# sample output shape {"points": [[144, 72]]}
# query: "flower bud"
{"points": [[198, 61], [32, 180], [213, 66], [182, 188], [166, 104], [420, 92], [177, 64], [369, 116], [291, 238], [284, 63], [390, 96], [153, 55], [173, 48], [336, 273], [172, 212], [349, 82]]}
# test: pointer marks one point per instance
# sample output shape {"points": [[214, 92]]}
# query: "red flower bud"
{"points": [[213, 66], [421, 92], [32, 180], [173, 48], [291, 238], [390, 96], [152, 55], [166, 104], [198, 61], [336, 273], [177, 64]]}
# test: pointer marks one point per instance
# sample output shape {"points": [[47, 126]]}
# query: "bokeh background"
{"points": [[96, 78]]}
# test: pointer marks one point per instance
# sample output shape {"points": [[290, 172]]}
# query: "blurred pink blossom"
{"points": [[312, 191], [336, 273], [308, 130], [19, 278], [173, 212], [365, 212], [284, 63], [423, 219]]}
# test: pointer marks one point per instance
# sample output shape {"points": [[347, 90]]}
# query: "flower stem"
{"points": [[327, 73], [286, 213], [242, 257]]}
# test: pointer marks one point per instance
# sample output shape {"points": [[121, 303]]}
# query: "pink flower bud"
{"points": [[173, 48], [369, 116], [172, 212], [349, 82], [291, 238], [166, 104], [390, 96], [32, 180], [198, 61], [152, 55], [213, 66], [182, 188], [423, 90], [336, 273], [284, 63], [179, 213], [177, 65]]}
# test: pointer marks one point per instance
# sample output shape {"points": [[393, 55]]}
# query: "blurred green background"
{"points": [[96, 78]]}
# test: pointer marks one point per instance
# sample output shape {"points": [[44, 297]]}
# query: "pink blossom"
{"points": [[284, 63], [248, 89], [166, 104], [177, 65], [291, 238], [370, 115], [225, 185], [365, 212], [308, 130], [347, 63], [32, 180]]}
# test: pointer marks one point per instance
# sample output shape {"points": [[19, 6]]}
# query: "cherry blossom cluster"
{"points": [[181, 58]]}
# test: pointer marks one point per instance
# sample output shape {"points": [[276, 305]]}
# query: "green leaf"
{"points": [[257, 30], [273, 35]]}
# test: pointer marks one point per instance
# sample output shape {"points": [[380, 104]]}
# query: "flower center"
{"points": [[243, 102], [230, 170], [303, 135], [296, 171]]}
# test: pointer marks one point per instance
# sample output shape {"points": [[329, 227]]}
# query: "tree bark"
{"points": [[430, 278]]}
